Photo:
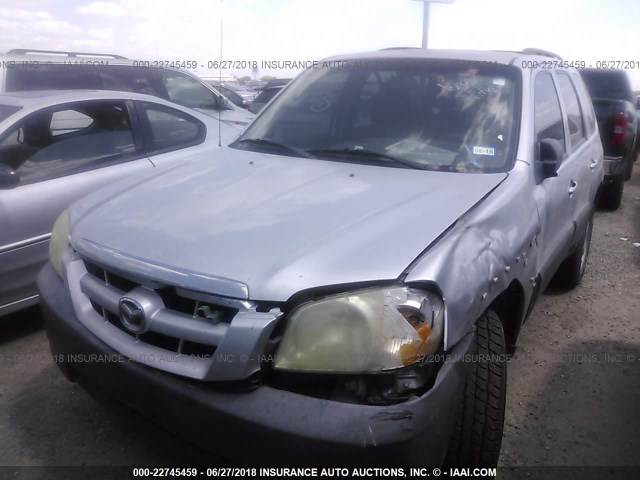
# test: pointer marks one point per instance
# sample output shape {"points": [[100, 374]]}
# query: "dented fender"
{"points": [[492, 245]]}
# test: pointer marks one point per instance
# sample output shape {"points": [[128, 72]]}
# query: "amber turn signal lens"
{"points": [[415, 351]]}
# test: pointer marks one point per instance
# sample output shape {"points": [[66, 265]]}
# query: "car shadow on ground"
{"points": [[586, 413], [93, 427], [59, 424], [20, 324]]}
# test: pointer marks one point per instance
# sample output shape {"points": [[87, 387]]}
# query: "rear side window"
{"points": [[187, 91], [587, 106], [171, 129], [574, 114], [27, 77], [548, 116]]}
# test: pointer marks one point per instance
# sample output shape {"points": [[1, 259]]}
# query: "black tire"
{"points": [[610, 196], [571, 271], [477, 437], [629, 168]]}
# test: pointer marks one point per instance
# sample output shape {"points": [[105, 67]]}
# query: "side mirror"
{"points": [[550, 156], [224, 103], [8, 177], [638, 103]]}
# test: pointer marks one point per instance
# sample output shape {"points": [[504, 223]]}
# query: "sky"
{"points": [[306, 30]]}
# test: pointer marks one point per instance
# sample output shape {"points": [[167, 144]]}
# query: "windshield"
{"points": [[430, 114]]}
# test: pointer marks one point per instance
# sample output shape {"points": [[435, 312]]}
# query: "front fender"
{"points": [[493, 244]]}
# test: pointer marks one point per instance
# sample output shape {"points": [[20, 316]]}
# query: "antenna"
{"points": [[220, 80]]}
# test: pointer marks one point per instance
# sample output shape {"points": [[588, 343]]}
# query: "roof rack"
{"points": [[27, 51], [397, 48], [539, 51]]}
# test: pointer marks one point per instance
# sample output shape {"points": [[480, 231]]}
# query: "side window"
{"points": [[574, 114], [130, 79], [187, 91], [548, 116], [587, 106], [68, 121], [67, 140], [265, 96], [171, 129], [26, 77], [231, 95]]}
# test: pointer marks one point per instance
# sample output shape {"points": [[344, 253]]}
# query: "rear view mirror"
{"points": [[8, 177], [550, 156]]}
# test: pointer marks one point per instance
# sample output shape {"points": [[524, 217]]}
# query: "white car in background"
{"points": [[56, 147]]}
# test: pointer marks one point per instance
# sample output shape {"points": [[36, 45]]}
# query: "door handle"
{"points": [[573, 187], [593, 164]]}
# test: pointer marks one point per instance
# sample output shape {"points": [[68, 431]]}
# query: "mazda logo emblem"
{"points": [[132, 315]]}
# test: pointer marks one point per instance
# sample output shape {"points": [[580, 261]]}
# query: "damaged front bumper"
{"points": [[265, 426]]}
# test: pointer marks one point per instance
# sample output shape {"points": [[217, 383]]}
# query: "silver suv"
{"points": [[343, 284]]}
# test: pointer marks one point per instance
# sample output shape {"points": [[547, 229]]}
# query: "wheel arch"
{"points": [[509, 306]]}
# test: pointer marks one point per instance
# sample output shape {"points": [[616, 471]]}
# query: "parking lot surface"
{"points": [[573, 385]]}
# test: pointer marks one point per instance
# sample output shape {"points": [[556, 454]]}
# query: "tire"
{"points": [[477, 437], [571, 271], [628, 170], [611, 194]]}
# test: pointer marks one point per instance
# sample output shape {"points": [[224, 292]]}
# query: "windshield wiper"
{"points": [[265, 141], [361, 152]]}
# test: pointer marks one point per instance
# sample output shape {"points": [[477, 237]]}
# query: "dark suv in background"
{"points": [[615, 108]]}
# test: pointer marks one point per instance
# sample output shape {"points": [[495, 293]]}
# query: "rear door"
{"points": [[60, 154], [585, 144], [554, 200], [595, 147], [580, 153]]}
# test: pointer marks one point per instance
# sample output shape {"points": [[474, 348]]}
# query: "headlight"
{"points": [[363, 331], [59, 241]]}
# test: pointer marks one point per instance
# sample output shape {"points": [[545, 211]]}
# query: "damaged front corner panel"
{"points": [[489, 248]]}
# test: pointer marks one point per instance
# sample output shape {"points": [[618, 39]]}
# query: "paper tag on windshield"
{"points": [[483, 151]]}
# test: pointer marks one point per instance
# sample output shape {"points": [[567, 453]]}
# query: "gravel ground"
{"points": [[573, 387]]}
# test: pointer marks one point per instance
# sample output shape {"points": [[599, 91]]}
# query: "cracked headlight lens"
{"points": [[59, 241], [362, 331]]}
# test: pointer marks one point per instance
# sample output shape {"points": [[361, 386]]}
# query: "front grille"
{"points": [[178, 312]]}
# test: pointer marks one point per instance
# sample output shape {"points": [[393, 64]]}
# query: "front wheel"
{"points": [[477, 437]]}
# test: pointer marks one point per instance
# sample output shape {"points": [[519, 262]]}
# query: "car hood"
{"points": [[264, 227]]}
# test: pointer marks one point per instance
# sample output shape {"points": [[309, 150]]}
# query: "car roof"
{"points": [[42, 98], [505, 57], [61, 58], [84, 60]]}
